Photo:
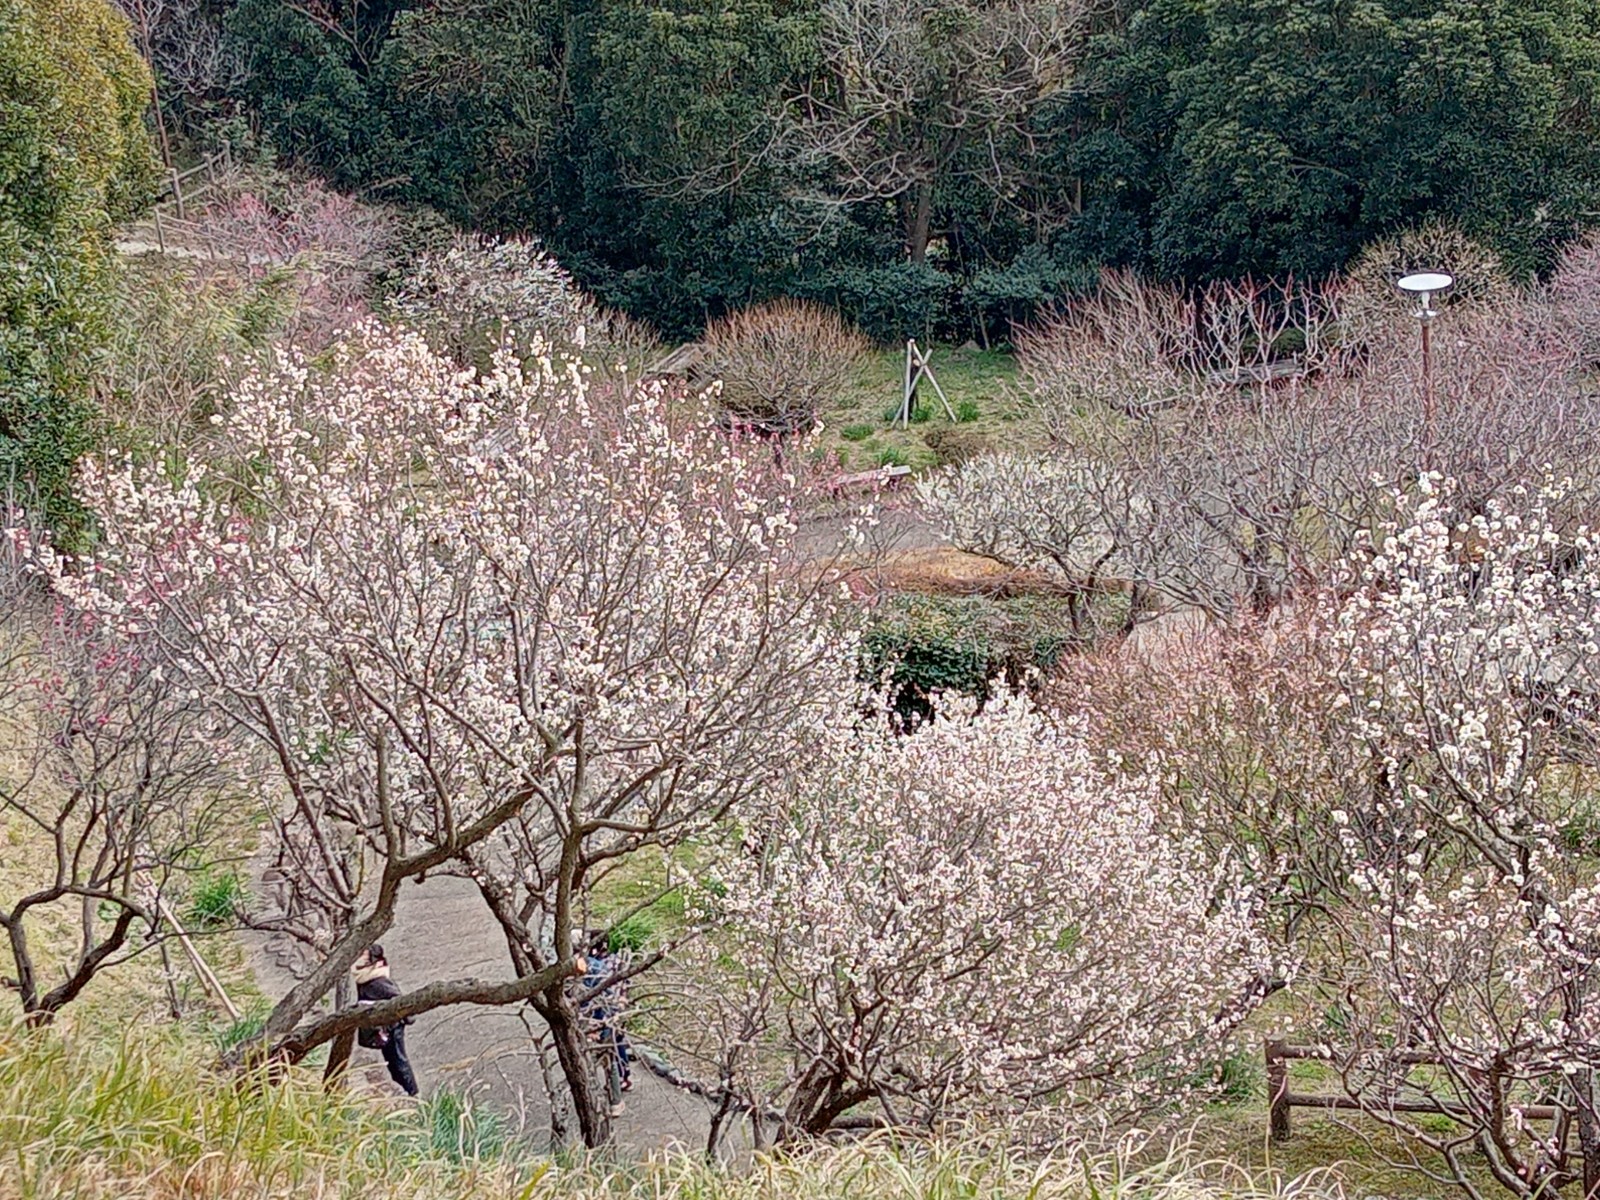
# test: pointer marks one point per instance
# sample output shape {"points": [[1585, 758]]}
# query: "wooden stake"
{"points": [[908, 394], [1277, 1092], [918, 368], [927, 369], [207, 976]]}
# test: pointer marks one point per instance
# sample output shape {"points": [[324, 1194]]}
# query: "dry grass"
{"points": [[127, 992], [946, 571], [144, 1120], [131, 993]]}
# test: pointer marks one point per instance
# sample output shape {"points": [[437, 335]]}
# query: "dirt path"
{"points": [[443, 931], [134, 246]]}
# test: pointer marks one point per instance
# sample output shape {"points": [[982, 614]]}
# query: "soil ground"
{"points": [[443, 931]]}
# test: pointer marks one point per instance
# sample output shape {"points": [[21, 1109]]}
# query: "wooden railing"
{"points": [[183, 188], [1280, 1099]]}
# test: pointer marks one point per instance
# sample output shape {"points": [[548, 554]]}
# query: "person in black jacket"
{"points": [[371, 971]]}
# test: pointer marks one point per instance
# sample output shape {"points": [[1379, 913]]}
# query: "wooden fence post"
{"points": [[1277, 1091]]}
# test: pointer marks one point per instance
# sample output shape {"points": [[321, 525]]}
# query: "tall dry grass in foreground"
{"points": [[145, 1120]]}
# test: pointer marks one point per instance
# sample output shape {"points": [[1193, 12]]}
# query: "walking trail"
{"points": [[443, 931]]}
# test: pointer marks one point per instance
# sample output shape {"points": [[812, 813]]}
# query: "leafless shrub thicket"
{"points": [[780, 363], [264, 259], [184, 333], [469, 297], [1242, 435], [331, 244], [1371, 307], [1575, 286], [1139, 348]]}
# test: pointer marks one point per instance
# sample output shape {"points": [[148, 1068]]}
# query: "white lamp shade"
{"points": [[1422, 283]]}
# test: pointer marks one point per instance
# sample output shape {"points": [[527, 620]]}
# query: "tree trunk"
{"points": [[919, 222], [1588, 1132], [577, 1065], [820, 1098], [558, 1102], [338, 1060], [343, 1045]]}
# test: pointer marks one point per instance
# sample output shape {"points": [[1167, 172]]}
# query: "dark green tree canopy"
{"points": [[942, 161]]}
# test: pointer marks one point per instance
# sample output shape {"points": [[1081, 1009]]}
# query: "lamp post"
{"points": [[1425, 285]]}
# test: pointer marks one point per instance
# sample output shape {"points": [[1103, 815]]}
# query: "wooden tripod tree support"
{"points": [[202, 969], [919, 368]]}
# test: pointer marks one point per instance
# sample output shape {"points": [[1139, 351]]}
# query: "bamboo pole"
{"points": [[924, 367], [908, 394], [201, 968]]}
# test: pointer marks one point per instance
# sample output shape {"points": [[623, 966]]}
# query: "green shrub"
{"points": [[1032, 283], [892, 456], [857, 433], [922, 660], [968, 411], [74, 159], [888, 303], [216, 897], [966, 644]]}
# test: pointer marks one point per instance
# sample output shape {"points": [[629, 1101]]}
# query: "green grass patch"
{"points": [[980, 384], [215, 898]]}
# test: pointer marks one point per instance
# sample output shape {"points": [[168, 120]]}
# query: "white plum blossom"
{"points": [[977, 918], [1467, 928], [494, 623]]}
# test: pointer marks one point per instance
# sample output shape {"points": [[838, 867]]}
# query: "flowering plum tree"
{"points": [[967, 919], [1403, 771], [1046, 512], [483, 621], [1470, 958], [121, 775], [1228, 495]]}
